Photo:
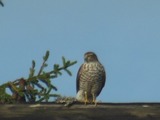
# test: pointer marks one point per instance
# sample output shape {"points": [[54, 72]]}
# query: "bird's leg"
{"points": [[94, 99], [85, 98]]}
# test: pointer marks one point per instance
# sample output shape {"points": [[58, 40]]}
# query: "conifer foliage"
{"points": [[37, 87]]}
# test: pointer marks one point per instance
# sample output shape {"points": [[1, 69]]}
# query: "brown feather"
{"points": [[77, 79]]}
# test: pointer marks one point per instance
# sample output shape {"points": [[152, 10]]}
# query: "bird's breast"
{"points": [[94, 66], [92, 71]]}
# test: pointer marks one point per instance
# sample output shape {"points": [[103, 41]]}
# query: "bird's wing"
{"points": [[103, 82], [78, 78]]}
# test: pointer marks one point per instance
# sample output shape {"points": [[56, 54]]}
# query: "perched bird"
{"points": [[91, 79]]}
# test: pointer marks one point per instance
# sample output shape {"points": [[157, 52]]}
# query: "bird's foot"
{"points": [[95, 103], [94, 100], [86, 98]]}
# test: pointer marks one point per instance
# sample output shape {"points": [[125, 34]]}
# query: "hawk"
{"points": [[91, 79]]}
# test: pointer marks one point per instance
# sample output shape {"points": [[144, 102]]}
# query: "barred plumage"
{"points": [[90, 78]]}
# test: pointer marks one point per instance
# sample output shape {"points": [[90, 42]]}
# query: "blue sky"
{"points": [[124, 34]]}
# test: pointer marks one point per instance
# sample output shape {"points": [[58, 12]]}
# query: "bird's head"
{"points": [[90, 57]]}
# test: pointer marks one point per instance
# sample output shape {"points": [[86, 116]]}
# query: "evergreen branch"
{"points": [[32, 89], [1, 3]]}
